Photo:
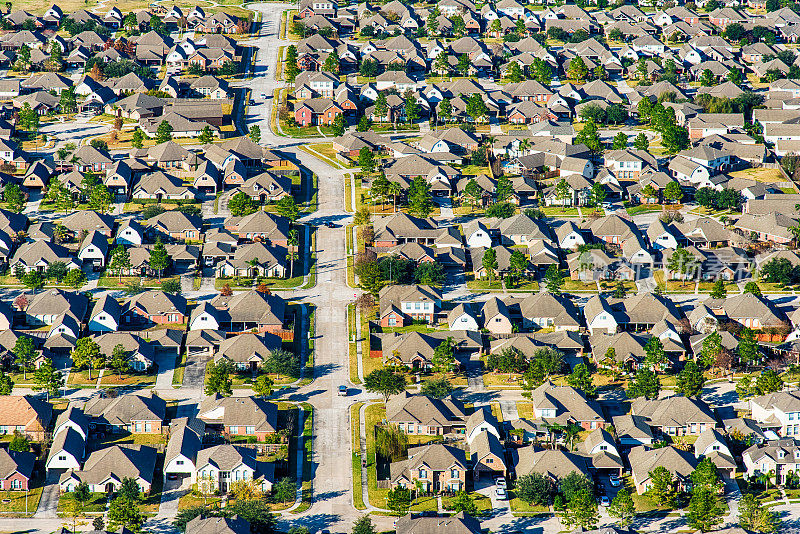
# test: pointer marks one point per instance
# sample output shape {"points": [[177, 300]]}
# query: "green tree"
{"points": [[620, 141], [331, 63], [748, 347], [705, 475], [75, 279], [48, 379], [14, 197], [474, 193], [662, 487], [581, 379], [599, 194], [769, 382], [514, 72], [590, 136], [159, 259], [504, 189], [644, 384], [398, 500], [363, 525], [412, 107], [6, 384], [707, 78], [489, 263], [445, 109], [704, 510], [462, 502], [641, 142], [437, 387], [137, 140], [381, 109], [655, 357], [476, 107], [542, 72], [673, 192], [674, 138], [33, 280], [553, 280], [755, 517], [119, 360], [124, 512], [719, 291], [752, 288], [86, 354], [255, 133], [339, 125], [164, 132], [24, 354], [284, 490], [120, 261], [287, 207], [262, 387], [577, 69], [581, 512], [366, 160], [19, 442], [622, 508], [384, 381], [241, 204], [206, 135], [691, 380], [419, 197], [218, 378], [535, 488], [444, 355]]}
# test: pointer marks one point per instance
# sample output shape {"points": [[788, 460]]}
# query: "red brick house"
{"points": [[155, 307], [16, 469], [317, 111]]}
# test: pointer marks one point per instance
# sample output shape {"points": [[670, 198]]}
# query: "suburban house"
{"points": [[422, 415], [105, 469], [29, 415], [675, 416], [779, 411], [439, 468], [239, 416], [680, 464], [134, 413], [402, 304]]}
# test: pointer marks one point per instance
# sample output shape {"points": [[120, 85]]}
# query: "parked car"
{"points": [[342, 391], [501, 494], [615, 480], [604, 500], [500, 482]]}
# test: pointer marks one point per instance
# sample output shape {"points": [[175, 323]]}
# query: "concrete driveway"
{"points": [[194, 373], [48, 504]]}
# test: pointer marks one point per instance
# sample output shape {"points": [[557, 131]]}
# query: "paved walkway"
{"points": [[48, 504]]}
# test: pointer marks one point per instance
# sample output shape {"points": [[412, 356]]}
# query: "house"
{"points": [[438, 468], [221, 465], [459, 523], [267, 227], [487, 456], [106, 315], [712, 444], [248, 351], [401, 304], [462, 317], [402, 228], [643, 461], [675, 416], [139, 352], [481, 421], [29, 415], [134, 413], [317, 112], [130, 233], [93, 250], [545, 310], [251, 310], [776, 458], [554, 464], [45, 307], [105, 469], [601, 447], [218, 525], [416, 350], [38, 255], [632, 430], [154, 307], [239, 416], [74, 418], [66, 452], [566, 405], [185, 441], [497, 317], [255, 259], [16, 469], [423, 415], [779, 411], [174, 225]]}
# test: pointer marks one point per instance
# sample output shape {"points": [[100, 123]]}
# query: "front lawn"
{"points": [[482, 502], [113, 282], [110, 378], [518, 505], [558, 211], [374, 414], [96, 504], [644, 208]]}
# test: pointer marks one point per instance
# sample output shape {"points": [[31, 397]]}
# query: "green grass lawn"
{"points": [[113, 282], [110, 378], [374, 414], [558, 211], [355, 421], [518, 505], [497, 285], [483, 503], [643, 208], [577, 285], [96, 504], [421, 327], [180, 367]]}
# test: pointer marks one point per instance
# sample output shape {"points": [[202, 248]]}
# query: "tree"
{"points": [[398, 500], [255, 133], [581, 512], [124, 512], [553, 280], [691, 380], [747, 347], [462, 502], [443, 355], [577, 69], [673, 192], [474, 193], [206, 135], [644, 384], [620, 141], [218, 380], [704, 510], [6, 384], [263, 386], [19, 442], [535, 488], [288, 208], [769, 382], [86, 354], [489, 262], [616, 114], [598, 194], [120, 261], [283, 362], [339, 126], [476, 107], [623, 508], [662, 487], [655, 355], [363, 525], [445, 108], [590, 137], [563, 192], [159, 259], [75, 279], [137, 141], [381, 108], [412, 107], [707, 78], [752, 287], [735, 76], [164, 132], [48, 379], [719, 291], [24, 353], [119, 360], [366, 160], [384, 381], [541, 71], [641, 142], [245, 490], [437, 387], [14, 197], [241, 204], [419, 197], [681, 262], [753, 516], [674, 138], [581, 379], [33, 280], [284, 490], [514, 72]]}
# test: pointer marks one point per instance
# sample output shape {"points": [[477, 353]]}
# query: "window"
{"points": [[423, 473], [392, 321], [490, 460], [454, 473], [179, 462], [234, 430], [148, 427], [417, 305], [62, 457], [250, 429]]}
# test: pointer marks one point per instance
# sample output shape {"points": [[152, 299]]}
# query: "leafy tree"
{"points": [[164, 132], [641, 142], [363, 525], [541, 71], [719, 291], [462, 502], [445, 110], [535, 488], [283, 362], [622, 508], [769, 382], [339, 126], [48, 379], [412, 107], [124, 512], [691, 380], [489, 262], [241, 204], [384, 381], [514, 72], [263, 386], [662, 488], [590, 137], [287, 207], [553, 280], [206, 135], [284, 490], [575, 483], [577, 69], [443, 355], [57, 270], [673, 192], [119, 360], [735, 76], [137, 141], [14, 197], [598, 194], [620, 141], [419, 197], [655, 355], [581, 379], [255, 133], [644, 384], [755, 517], [33, 280], [681, 262], [748, 347], [86, 354], [6, 384], [159, 259], [24, 354], [581, 512], [437, 387], [704, 510], [75, 279], [218, 380], [753, 288], [476, 107], [398, 500], [705, 475], [20, 442], [707, 78], [674, 138]]}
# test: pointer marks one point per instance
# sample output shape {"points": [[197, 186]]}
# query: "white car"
{"points": [[500, 494], [500, 482], [615, 481], [604, 500]]}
